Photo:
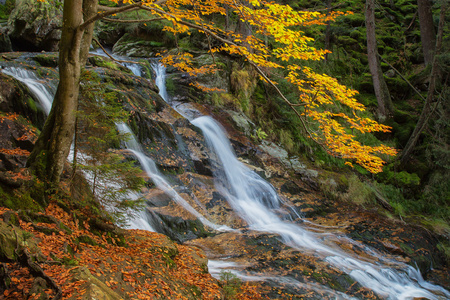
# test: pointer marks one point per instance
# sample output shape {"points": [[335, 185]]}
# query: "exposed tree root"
{"points": [[36, 270], [4, 277]]}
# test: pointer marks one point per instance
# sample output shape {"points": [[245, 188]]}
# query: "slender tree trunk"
{"points": [[427, 110], [328, 31], [427, 32], [385, 106], [53, 145]]}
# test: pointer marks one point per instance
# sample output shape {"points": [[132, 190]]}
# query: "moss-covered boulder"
{"points": [[12, 240], [133, 46], [35, 26], [94, 288]]}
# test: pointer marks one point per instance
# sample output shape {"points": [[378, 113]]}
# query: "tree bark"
{"points": [[385, 106], [427, 110], [427, 32], [328, 31], [53, 144]]}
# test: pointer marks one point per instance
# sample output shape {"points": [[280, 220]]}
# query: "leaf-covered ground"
{"points": [[134, 265]]}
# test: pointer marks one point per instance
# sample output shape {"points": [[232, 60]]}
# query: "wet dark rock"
{"points": [[202, 167], [415, 244], [159, 200], [35, 26], [176, 228], [16, 98], [266, 243], [292, 188], [107, 35], [5, 42], [16, 141], [217, 200]]}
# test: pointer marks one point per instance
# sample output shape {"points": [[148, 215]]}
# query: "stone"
{"points": [[35, 26], [5, 42], [38, 289], [95, 289], [242, 122]]}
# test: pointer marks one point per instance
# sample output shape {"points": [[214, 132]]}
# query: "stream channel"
{"points": [[265, 215]]}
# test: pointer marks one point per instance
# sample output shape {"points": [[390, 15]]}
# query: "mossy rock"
{"points": [[47, 60], [35, 26], [12, 239], [402, 117], [358, 35], [93, 288], [103, 62], [398, 86], [134, 46], [86, 240]]}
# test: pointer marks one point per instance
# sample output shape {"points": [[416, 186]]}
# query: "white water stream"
{"points": [[160, 79], [34, 84], [149, 166], [254, 200], [45, 95], [135, 68]]}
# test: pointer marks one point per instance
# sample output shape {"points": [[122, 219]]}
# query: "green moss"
{"points": [[170, 85], [6, 199], [101, 62], [31, 104], [18, 199], [6, 9], [47, 60], [86, 240]]}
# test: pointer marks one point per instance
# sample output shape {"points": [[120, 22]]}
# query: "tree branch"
{"points": [[109, 12], [406, 80], [109, 55], [258, 70], [131, 21]]}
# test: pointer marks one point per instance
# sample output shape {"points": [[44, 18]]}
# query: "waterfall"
{"points": [[135, 68], [34, 84], [160, 80], [254, 200], [149, 166], [45, 97]]}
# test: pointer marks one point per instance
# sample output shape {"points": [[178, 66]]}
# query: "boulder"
{"points": [[95, 289], [35, 26], [5, 42]]}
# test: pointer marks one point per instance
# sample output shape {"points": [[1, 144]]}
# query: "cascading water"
{"points": [[254, 200], [135, 68], [152, 171], [160, 79], [34, 84], [45, 97]]}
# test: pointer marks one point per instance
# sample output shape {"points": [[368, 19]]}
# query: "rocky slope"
{"points": [[113, 263]]}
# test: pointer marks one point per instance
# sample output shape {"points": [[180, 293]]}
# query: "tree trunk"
{"points": [[385, 107], [427, 110], [427, 32], [328, 31], [53, 145]]}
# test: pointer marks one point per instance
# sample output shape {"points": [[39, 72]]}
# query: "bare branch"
{"points": [[406, 80], [131, 21], [109, 55], [109, 12], [258, 70]]}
